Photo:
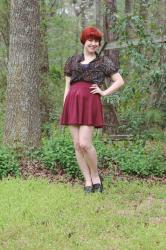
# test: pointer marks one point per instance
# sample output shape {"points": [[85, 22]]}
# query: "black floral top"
{"points": [[94, 72]]}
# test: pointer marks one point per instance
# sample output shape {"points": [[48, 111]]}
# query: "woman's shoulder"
{"points": [[105, 58], [109, 64]]}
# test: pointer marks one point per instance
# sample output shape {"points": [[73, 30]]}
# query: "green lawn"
{"points": [[37, 215]]}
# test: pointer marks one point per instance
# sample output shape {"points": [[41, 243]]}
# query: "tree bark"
{"points": [[22, 122], [83, 13], [4, 24], [157, 89], [129, 7], [82, 8], [109, 23], [110, 116], [44, 65], [144, 14], [162, 87], [98, 13]]}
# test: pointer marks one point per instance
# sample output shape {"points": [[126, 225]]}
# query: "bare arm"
{"points": [[67, 87], [117, 83]]}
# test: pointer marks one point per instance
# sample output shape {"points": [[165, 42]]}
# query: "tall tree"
{"points": [[144, 8], [98, 13], [22, 123], [144, 4], [109, 21], [44, 64], [83, 5], [129, 8], [157, 98], [82, 8], [161, 85], [110, 17], [4, 24]]}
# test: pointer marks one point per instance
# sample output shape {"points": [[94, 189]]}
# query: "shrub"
{"points": [[131, 157], [8, 163], [58, 151]]}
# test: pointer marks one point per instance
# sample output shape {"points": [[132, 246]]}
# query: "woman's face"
{"points": [[91, 45]]}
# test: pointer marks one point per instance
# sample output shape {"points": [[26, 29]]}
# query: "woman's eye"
{"points": [[91, 40]]}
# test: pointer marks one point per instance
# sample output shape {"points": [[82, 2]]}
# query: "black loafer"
{"points": [[88, 189], [98, 188]]}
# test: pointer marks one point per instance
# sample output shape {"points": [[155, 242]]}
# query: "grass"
{"points": [[37, 215]]}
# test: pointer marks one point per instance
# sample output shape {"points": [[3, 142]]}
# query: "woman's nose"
{"points": [[94, 42]]}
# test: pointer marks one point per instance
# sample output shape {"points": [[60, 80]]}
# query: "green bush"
{"points": [[130, 157], [133, 159], [55, 72], [8, 163], [58, 152]]}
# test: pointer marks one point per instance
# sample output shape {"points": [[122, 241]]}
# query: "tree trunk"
{"points": [[157, 89], [83, 13], [98, 13], [129, 7], [110, 116], [44, 65], [83, 9], [22, 123], [4, 24], [109, 23], [144, 14], [162, 87], [144, 9], [44, 48]]}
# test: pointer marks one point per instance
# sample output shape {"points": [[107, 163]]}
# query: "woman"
{"points": [[82, 109]]}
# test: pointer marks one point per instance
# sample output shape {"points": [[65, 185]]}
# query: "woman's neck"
{"points": [[89, 56]]}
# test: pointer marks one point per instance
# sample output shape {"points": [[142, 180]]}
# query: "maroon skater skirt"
{"points": [[81, 107]]}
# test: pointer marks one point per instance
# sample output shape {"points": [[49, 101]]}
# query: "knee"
{"points": [[84, 147], [77, 146]]}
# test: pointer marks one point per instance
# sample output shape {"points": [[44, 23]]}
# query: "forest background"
{"points": [[133, 139]]}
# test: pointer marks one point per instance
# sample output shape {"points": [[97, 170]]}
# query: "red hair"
{"points": [[90, 32]]}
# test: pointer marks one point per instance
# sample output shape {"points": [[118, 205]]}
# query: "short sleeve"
{"points": [[67, 67], [109, 67]]}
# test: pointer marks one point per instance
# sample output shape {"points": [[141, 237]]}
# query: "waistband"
{"points": [[81, 82]]}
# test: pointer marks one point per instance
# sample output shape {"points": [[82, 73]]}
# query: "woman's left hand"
{"points": [[96, 90]]}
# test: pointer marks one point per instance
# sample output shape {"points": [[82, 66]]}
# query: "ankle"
{"points": [[96, 180], [88, 183]]}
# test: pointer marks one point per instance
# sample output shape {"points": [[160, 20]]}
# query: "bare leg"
{"points": [[79, 155], [85, 141]]}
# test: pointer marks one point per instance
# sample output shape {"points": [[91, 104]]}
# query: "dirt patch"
{"points": [[36, 169], [157, 220]]}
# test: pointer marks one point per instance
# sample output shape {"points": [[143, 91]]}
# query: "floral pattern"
{"points": [[95, 72]]}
